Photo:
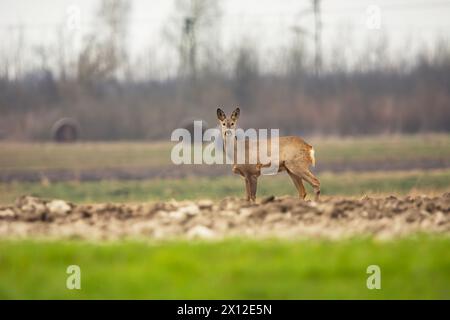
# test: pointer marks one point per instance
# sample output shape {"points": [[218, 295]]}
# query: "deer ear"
{"points": [[220, 114], [235, 114]]}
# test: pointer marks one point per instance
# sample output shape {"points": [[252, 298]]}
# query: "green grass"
{"points": [[347, 184], [383, 148], [416, 268], [100, 155]]}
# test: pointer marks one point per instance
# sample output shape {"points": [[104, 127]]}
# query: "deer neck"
{"points": [[230, 148]]}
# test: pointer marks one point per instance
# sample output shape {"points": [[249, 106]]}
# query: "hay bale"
{"points": [[65, 130]]}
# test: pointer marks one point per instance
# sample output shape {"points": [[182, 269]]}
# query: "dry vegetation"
{"points": [[342, 104], [139, 160]]}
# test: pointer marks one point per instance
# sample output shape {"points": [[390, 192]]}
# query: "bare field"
{"points": [[141, 160], [143, 208], [284, 217]]}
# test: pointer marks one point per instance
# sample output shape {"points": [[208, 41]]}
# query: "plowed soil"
{"points": [[283, 217]]}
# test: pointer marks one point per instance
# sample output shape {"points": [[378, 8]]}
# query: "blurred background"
{"points": [[366, 82], [137, 69]]}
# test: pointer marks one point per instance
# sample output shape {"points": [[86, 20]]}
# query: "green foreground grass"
{"points": [[345, 184], [416, 268]]}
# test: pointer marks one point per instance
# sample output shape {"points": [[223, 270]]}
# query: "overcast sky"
{"points": [[268, 23]]}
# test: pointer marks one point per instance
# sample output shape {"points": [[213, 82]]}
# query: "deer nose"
{"points": [[228, 132]]}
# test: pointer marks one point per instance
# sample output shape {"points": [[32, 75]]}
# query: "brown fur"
{"points": [[295, 157]]}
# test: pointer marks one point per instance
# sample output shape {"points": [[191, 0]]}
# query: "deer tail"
{"points": [[313, 158]]}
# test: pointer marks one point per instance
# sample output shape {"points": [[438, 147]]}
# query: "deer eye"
{"points": [[232, 123]]}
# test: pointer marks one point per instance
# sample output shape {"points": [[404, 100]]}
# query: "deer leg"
{"points": [[247, 188], [247, 182], [298, 184], [302, 188], [302, 171], [253, 185], [313, 181]]}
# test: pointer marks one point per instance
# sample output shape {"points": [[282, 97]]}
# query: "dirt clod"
{"points": [[267, 199]]}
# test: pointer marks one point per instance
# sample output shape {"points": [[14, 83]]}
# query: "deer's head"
{"points": [[228, 125]]}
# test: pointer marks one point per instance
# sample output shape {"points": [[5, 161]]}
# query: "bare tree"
{"points": [[246, 73], [18, 51], [295, 59], [104, 53], [190, 31]]}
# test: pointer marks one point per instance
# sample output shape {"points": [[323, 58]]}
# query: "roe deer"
{"points": [[295, 157]]}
